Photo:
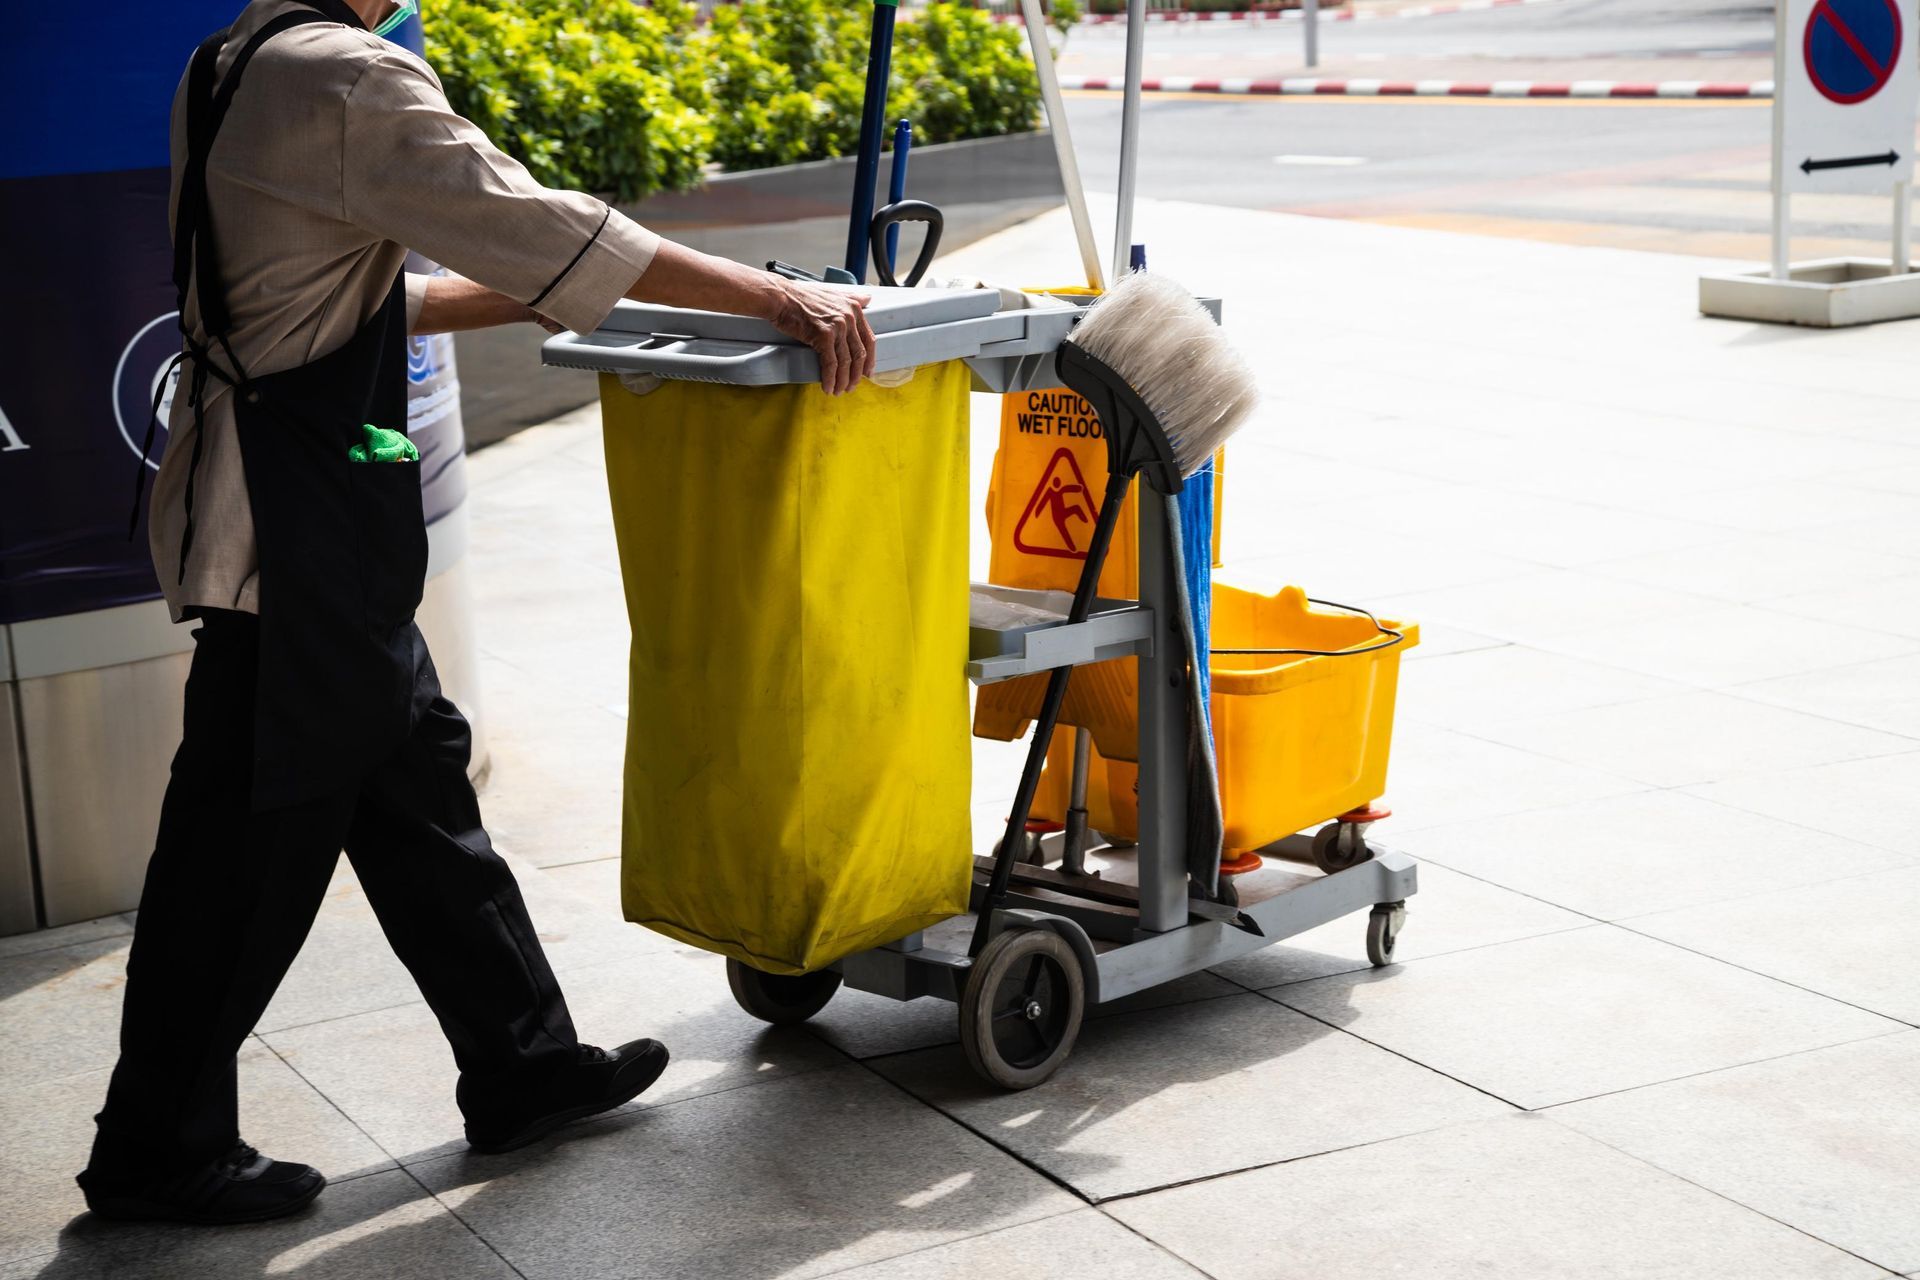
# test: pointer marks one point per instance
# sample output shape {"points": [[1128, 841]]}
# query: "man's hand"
{"points": [[833, 321], [830, 319]]}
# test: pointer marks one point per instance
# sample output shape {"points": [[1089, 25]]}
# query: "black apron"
{"points": [[344, 672]]}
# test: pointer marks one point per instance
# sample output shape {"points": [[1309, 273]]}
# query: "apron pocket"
{"points": [[390, 541]]}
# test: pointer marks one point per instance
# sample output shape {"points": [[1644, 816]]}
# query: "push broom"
{"points": [[1168, 390]]}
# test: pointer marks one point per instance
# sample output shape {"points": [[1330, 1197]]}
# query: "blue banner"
{"points": [[90, 320]]}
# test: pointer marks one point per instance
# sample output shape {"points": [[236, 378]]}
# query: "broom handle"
{"points": [[1063, 143], [1129, 137], [873, 112], [1083, 597]]}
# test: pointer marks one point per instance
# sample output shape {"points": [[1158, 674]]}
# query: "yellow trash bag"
{"points": [[798, 768]]}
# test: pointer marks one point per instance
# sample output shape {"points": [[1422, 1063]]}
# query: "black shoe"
{"points": [[597, 1081], [241, 1186]]}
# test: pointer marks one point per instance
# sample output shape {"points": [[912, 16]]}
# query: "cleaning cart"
{"points": [[1132, 916]]}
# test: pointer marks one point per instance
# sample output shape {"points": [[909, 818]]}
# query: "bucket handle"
{"points": [[1392, 638]]}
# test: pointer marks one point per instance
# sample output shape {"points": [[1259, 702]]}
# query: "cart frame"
{"points": [[1138, 925]]}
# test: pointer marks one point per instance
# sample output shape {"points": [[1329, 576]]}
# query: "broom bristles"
{"points": [[1157, 336]]}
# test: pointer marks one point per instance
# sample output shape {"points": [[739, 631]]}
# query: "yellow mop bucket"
{"points": [[797, 772], [1299, 738]]}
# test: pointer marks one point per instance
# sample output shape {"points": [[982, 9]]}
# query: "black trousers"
{"points": [[231, 893]]}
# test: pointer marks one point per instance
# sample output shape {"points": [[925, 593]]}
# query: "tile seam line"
{"points": [[1085, 1200], [1681, 414], [1908, 863], [941, 1244], [1143, 1192], [1155, 1245], [338, 1017], [1721, 1195], [299, 1075], [1902, 1022], [1900, 1029], [1424, 1066], [627, 1111], [1602, 705], [42, 1255], [1728, 804], [1364, 967], [1723, 692], [1731, 691], [1872, 582], [1714, 1071], [61, 946], [453, 1213], [408, 1004], [1117, 1013]]}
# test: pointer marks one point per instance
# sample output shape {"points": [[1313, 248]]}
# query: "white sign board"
{"points": [[1846, 88]]}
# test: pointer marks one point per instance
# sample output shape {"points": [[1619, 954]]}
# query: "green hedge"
{"points": [[610, 96]]}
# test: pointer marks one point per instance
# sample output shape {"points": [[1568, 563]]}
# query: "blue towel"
{"points": [[1192, 552], [1196, 559]]}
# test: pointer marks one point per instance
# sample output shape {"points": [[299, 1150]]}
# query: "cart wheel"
{"points": [[1031, 852], [1021, 1010], [779, 998], [1383, 926], [1340, 845]]}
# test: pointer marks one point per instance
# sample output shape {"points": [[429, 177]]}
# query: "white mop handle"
{"points": [[1129, 135], [1062, 141]]}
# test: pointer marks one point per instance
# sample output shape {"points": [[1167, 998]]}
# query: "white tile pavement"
{"points": [[1517, 1196], [1692, 738], [1822, 1141], [1669, 657], [1650, 851], [1570, 1015], [1856, 938], [1875, 801], [1192, 1091]]}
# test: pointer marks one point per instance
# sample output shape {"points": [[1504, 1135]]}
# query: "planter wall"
{"points": [[797, 213]]}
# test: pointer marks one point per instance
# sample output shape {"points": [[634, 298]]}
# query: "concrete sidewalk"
{"points": [[1659, 754]]}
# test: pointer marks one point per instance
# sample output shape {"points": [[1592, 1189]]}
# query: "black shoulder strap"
{"points": [[206, 109]]}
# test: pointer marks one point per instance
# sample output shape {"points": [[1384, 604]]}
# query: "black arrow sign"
{"points": [[1889, 158]]}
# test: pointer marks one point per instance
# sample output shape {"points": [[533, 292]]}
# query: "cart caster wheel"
{"points": [[1031, 852], [1225, 892], [779, 998], [1383, 926], [1021, 1010], [1340, 845]]}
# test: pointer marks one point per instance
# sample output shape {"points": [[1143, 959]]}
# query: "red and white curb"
{"points": [[1296, 15], [1307, 87]]}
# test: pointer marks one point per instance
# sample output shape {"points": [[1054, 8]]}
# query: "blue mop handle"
{"points": [[897, 187], [873, 111]]}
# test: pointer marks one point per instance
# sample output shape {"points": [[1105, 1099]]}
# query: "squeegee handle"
{"points": [[1063, 142], [1083, 596], [897, 186]]}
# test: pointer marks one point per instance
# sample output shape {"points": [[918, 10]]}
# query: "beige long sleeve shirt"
{"points": [[338, 155]]}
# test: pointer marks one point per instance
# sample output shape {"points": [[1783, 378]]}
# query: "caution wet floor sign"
{"points": [[1048, 478]]}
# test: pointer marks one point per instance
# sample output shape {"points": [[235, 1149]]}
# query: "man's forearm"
{"points": [[454, 303], [683, 277]]}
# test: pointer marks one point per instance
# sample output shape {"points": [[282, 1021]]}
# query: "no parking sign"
{"points": [[1848, 88]]}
